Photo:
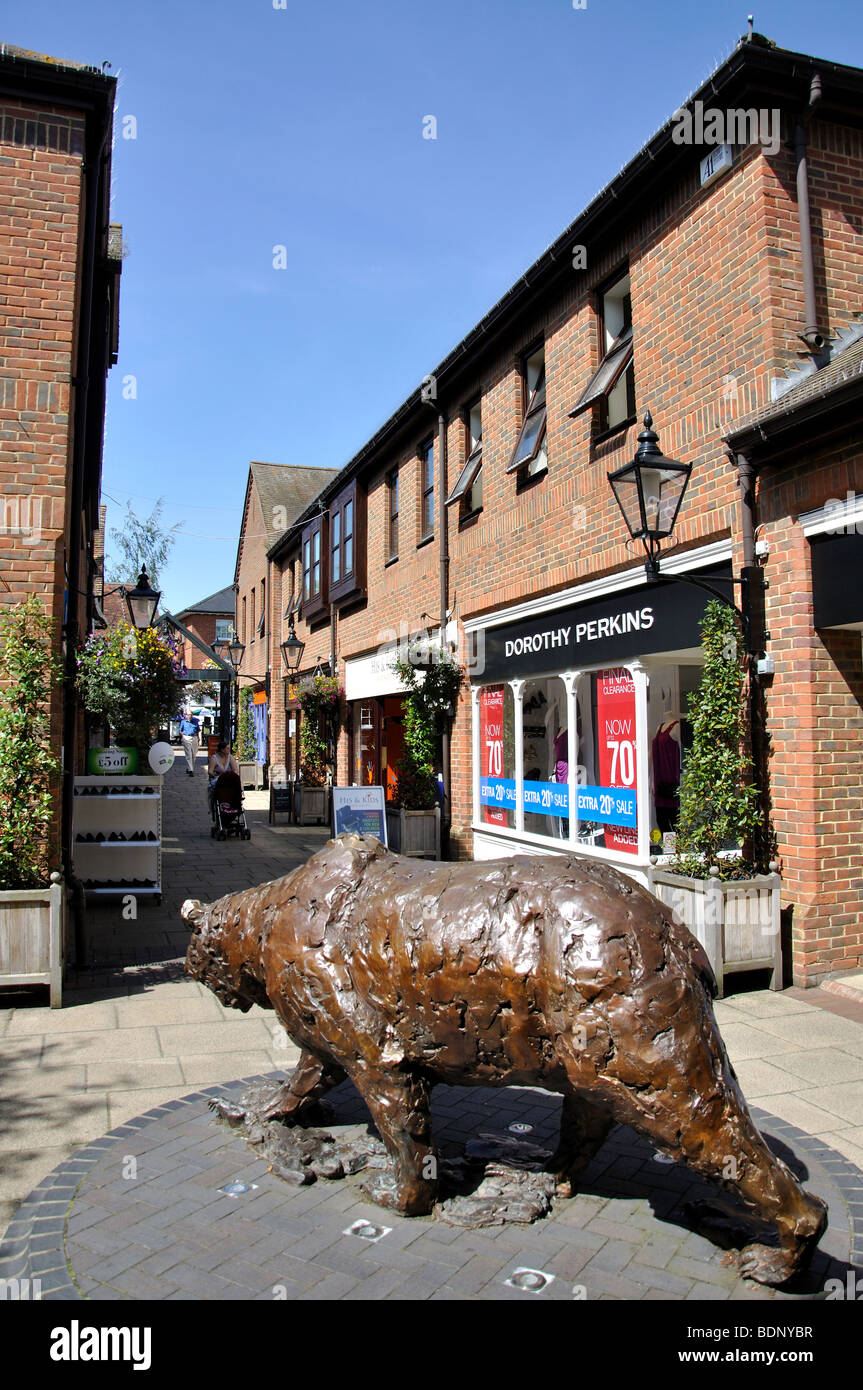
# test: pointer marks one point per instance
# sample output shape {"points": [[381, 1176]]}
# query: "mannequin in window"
{"points": [[666, 758]]}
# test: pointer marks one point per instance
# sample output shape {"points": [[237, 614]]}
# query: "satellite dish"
{"points": [[161, 758]]}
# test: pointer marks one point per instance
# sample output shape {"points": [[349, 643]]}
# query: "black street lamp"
{"points": [[649, 492], [142, 602], [292, 650]]}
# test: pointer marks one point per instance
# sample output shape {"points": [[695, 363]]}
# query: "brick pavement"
{"points": [[134, 1032], [142, 1214]]}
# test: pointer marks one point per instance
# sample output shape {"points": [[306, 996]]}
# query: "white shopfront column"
{"points": [[570, 680], [517, 688], [476, 751]]}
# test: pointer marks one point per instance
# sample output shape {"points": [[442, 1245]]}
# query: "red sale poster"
{"points": [[491, 745], [615, 723]]}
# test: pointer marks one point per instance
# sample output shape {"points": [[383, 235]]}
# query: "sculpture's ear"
{"points": [[192, 911]]}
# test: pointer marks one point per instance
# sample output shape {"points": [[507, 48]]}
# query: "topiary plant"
{"points": [[718, 801], [427, 704], [245, 728], [28, 766]]}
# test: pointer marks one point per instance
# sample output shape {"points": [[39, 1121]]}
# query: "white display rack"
{"points": [[116, 863]]}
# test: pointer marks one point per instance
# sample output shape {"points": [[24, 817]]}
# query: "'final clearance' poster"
{"points": [[615, 720], [491, 741]]}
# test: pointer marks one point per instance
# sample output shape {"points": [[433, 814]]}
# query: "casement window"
{"points": [[427, 491], [529, 457], [224, 629], [245, 629], [612, 387], [262, 621], [252, 611], [348, 544], [393, 515], [468, 487], [313, 545]]}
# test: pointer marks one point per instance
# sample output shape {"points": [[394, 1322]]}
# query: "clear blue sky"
{"points": [[302, 127]]}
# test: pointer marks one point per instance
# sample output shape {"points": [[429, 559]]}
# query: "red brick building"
{"points": [[211, 620], [60, 262], [687, 287], [276, 494]]}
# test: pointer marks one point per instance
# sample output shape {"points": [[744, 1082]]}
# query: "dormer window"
{"points": [[347, 544], [314, 552]]}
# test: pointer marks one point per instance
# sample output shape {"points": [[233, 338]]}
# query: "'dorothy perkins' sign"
{"points": [[652, 618]]}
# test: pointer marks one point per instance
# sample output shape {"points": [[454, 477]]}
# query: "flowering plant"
{"points": [[320, 701], [130, 680]]}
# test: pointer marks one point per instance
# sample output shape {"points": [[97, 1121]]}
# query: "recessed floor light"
{"points": [[519, 1128], [366, 1230], [530, 1280], [238, 1189]]}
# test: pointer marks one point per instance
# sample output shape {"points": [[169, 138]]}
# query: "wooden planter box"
{"points": [[311, 804], [737, 923], [32, 936], [415, 834], [252, 775]]}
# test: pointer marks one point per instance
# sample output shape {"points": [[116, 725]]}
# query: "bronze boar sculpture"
{"points": [[560, 973]]}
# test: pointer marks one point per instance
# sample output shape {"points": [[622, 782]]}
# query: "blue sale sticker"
{"points": [[497, 791], [608, 805]]}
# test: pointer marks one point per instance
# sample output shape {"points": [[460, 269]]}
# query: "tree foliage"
{"points": [[28, 765], [141, 543]]}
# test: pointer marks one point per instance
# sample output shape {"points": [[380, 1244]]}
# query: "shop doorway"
{"points": [[377, 742]]}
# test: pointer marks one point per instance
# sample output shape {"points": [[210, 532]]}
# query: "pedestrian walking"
{"points": [[189, 735]]}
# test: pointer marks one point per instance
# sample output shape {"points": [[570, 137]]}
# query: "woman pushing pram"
{"points": [[225, 795]]}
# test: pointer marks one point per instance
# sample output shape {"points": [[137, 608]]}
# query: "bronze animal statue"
{"points": [[554, 972]]}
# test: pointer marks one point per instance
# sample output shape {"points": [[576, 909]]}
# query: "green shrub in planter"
{"points": [[427, 704], [718, 801], [28, 766]]}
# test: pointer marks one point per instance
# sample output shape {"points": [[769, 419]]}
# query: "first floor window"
{"points": [[427, 492], [529, 457]]}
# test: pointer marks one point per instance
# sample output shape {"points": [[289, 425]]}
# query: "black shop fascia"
{"points": [[664, 616]]}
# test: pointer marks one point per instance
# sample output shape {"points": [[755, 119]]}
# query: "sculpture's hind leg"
{"points": [[310, 1079], [583, 1128], [678, 1090], [399, 1103]]}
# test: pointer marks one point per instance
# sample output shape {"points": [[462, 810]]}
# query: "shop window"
{"points": [[529, 457], [347, 544], [545, 757], [393, 515], [427, 491], [468, 487], [497, 755], [612, 387], [314, 553], [608, 769]]}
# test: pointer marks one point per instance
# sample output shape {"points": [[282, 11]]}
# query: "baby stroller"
{"points": [[226, 806]]}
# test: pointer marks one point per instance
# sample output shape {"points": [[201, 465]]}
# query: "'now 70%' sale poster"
{"points": [[617, 797]]}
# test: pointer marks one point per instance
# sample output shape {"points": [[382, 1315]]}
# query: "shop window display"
{"points": [[545, 757], [497, 755]]}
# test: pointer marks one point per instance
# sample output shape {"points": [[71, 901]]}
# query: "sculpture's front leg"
{"points": [[310, 1080]]}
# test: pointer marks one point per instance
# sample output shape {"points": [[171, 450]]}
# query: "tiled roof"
{"points": [[285, 490], [222, 602], [844, 368]]}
